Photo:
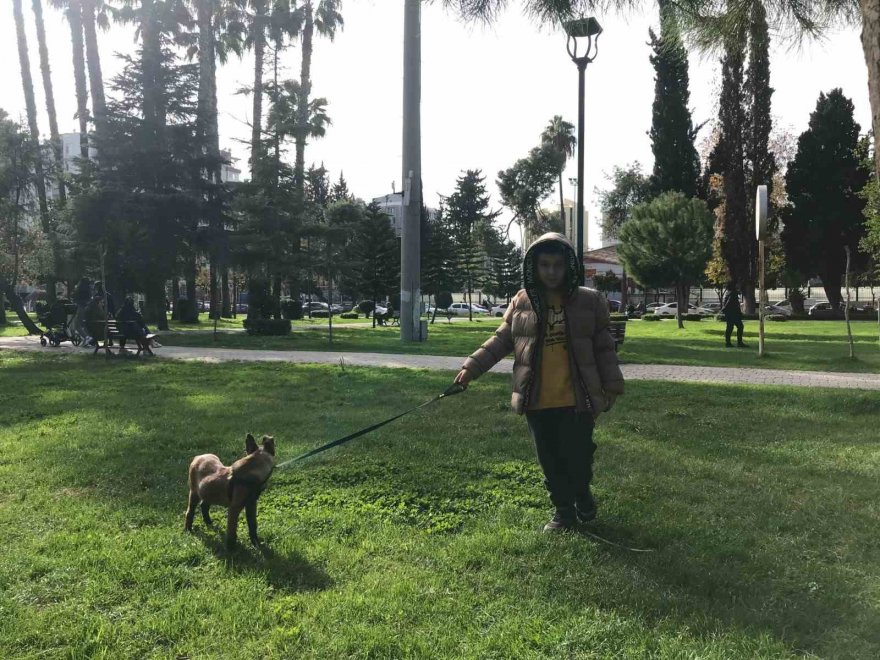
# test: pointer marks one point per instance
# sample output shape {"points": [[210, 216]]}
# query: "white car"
{"points": [[498, 310], [462, 309], [670, 309]]}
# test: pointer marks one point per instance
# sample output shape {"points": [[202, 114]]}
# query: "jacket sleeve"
{"points": [[606, 357], [494, 349]]}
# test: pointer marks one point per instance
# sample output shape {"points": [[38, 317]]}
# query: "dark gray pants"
{"points": [[731, 324], [564, 444]]}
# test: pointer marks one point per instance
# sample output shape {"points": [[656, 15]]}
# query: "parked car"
{"points": [[315, 306], [498, 310], [714, 307], [670, 309], [461, 309], [652, 306], [778, 309], [614, 305]]}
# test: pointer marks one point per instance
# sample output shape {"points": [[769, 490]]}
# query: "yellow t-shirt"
{"points": [[555, 388]]}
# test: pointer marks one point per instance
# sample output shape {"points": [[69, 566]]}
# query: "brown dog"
{"points": [[236, 487]]}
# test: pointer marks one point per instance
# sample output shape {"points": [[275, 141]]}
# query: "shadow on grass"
{"points": [[289, 571]]}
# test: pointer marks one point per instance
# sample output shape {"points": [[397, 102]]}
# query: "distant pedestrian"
{"points": [[82, 296], [733, 315]]}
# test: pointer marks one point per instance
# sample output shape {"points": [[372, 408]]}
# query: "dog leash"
{"points": [[452, 390]]}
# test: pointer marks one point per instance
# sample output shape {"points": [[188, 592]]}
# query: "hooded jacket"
{"points": [[595, 372]]}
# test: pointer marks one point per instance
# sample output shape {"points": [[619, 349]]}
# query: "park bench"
{"points": [[395, 318], [116, 331], [618, 332]]}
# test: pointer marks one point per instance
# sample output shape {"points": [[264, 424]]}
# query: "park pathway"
{"points": [[665, 372]]}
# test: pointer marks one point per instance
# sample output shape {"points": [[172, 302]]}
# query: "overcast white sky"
{"points": [[486, 92]]}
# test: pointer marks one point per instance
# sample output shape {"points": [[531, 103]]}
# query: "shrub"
{"points": [[267, 327], [777, 317], [349, 315], [320, 313], [693, 317], [618, 317], [292, 310], [745, 317], [650, 317], [366, 307]]}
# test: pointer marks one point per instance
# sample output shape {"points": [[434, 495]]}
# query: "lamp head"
{"points": [[583, 27]]}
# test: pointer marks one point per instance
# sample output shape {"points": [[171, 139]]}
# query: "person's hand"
{"points": [[463, 378]]}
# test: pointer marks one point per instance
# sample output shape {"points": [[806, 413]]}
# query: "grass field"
{"points": [[801, 345], [423, 539]]}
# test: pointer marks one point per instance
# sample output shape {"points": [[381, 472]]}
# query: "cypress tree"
{"points": [[676, 163]]}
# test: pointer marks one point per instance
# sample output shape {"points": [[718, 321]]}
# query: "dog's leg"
{"points": [[236, 504], [205, 516], [191, 510], [250, 511]]}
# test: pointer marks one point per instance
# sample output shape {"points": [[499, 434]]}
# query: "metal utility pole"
{"points": [[410, 244], [585, 29], [761, 234]]}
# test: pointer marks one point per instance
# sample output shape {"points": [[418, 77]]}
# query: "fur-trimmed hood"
{"points": [[531, 282]]}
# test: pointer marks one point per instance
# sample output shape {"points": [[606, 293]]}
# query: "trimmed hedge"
{"points": [[650, 317], [776, 317], [693, 317], [349, 315], [619, 317], [745, 317], [267, 327]]}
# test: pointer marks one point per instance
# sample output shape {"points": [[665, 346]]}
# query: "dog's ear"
{"points": [[250, 444], [269, 444]]}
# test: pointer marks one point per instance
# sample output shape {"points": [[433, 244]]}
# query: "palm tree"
{"points": [[73, 12], [325, 19], [46, 72], [257, 39], [93, 13], [560, 134], [27, 84]]}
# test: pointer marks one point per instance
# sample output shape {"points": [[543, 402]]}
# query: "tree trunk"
{"points": [[96, 77], [225, 304], [175, 296], [259, 39], [871, 47], [681, 292], [154, 307], [27, 84], [15, 303], [74, 18], [46, 73], [562, 206], [852, 352], [192, 315], [305, 90]]}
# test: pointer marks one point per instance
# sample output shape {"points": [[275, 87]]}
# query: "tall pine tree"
{"points": [[676, 163]]}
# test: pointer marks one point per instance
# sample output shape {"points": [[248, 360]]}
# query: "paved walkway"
{"points": [[630, 371]]}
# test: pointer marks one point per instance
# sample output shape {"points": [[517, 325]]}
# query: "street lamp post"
{"points": [[588, 29]]}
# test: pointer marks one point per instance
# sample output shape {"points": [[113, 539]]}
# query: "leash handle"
{"points": [[452, 390]]}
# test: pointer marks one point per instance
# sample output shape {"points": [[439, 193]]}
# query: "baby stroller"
{"points": [[58, 321]]}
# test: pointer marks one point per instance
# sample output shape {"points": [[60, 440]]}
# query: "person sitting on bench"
{"points": [[133, 323]]}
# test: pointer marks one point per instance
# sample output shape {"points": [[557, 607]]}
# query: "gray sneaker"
{"points": [[562, 521]]}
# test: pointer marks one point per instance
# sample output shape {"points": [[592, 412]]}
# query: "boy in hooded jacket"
{"points": [[565, 371]]}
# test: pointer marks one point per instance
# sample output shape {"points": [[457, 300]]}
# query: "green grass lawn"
{"points": [[423, 539], [801, 345]]}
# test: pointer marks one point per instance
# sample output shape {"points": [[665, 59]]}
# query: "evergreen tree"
{"points": [[667, 242], [526, 184], [734, 231], [468, 213], [676, 163], [439, 272], [339, 192], [372, 258], [629, 188], [825, 212]]}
